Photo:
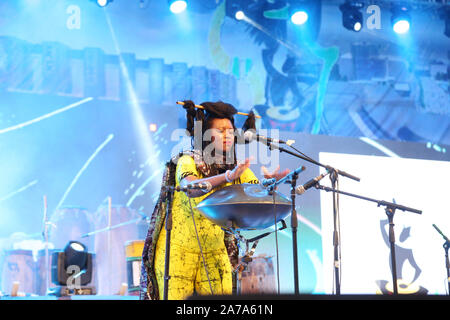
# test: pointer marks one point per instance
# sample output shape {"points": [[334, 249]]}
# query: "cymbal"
{"points": [[245, 206]]}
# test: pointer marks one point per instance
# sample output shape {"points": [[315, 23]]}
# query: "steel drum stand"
{"points": [[447, 262], [390, 210], [247, 256]]}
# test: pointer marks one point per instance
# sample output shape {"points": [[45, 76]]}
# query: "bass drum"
{"points": [[69, 224], [258, 277], [19, 266], [133, 253], [110, 246]]}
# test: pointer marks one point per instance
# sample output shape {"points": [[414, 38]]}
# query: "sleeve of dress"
{"points": [[185, 167]]}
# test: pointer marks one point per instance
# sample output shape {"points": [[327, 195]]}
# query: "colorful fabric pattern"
{"points": [[219, 248]]}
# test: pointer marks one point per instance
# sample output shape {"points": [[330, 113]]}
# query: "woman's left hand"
{"points": [[275, 174]]}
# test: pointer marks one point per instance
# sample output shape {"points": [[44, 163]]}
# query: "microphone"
{"points": [[206, 186], [311, 183], [250, 135], [440, 232]]}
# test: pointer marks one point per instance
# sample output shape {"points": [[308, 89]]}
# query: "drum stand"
{"points": [[447, 262], [390, 210], [247, 257]]}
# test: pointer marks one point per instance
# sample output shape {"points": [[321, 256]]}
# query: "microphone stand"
{"points": [[169, 195], [336, 236], [292, 177], [329, 168], [294, 225], [168, 234], [333, 176], [390, 210], [447, 262]]}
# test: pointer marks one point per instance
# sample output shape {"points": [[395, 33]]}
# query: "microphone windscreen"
{"points": [[249, 135]]}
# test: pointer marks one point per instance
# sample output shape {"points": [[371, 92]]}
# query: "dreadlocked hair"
{"points": [[211, 111]]}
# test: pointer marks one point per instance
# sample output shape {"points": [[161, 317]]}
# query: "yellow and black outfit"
{"points": [[187, 273]]}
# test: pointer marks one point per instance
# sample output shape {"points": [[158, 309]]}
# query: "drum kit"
{"points": [[116, 228]]}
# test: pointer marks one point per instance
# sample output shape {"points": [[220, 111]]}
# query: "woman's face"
{"points": [[222, 133]]}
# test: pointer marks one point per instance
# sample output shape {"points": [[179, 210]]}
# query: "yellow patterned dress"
{"points": [[186, 270]]}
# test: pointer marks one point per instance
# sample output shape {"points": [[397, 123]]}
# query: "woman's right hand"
{"points": [[239, 169]]}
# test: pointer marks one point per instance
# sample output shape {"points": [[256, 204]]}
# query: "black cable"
{"points": [[304, 155], [200, 246]]}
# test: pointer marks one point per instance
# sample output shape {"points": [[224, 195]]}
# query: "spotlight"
{"points": [[153, 127], [103, 3], [400, 19], [299, 17], [352, 18], [72, 270], [234, 10], [239, 15], [177, 6]]}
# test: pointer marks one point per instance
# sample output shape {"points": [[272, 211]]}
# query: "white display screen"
{"points": [[365, 250]]}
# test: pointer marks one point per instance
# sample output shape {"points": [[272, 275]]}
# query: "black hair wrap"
{"points": [[250, 122], [191, 115], [219, 109]]}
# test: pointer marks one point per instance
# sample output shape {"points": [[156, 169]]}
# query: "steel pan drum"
{"points": [[245, 206]]}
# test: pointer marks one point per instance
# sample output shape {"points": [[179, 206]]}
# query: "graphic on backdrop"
{"points": [[404, 255]]}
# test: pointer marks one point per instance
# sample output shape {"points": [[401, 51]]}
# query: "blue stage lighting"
{"points": [[299, 17], [177, 6], [103, 3], [401, 21], [401, 26]]}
